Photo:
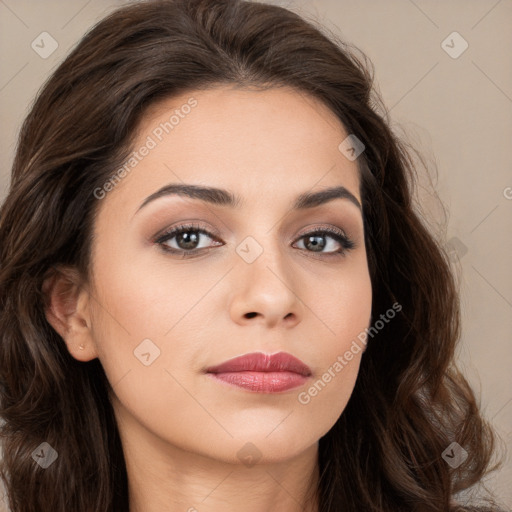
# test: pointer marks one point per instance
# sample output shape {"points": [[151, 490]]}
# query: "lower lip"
{"points": [[262, 382]]}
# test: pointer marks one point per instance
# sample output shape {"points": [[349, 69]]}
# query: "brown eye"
{"points": [[185, 239]]}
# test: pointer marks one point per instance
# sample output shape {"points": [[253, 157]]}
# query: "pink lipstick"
{"points": [[262, 373]]}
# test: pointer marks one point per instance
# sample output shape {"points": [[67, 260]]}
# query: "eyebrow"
{"points": [[222, 197]]}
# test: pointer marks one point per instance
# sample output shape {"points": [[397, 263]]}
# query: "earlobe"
{"points": [[67, 311]]}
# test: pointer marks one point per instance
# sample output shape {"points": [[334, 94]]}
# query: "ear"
{"points": [[67, 309]]}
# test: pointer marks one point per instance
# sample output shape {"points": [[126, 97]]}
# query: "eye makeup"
{"points": [[192, 234]]}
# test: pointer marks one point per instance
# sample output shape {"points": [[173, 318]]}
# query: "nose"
{"points": [[265, 292]]}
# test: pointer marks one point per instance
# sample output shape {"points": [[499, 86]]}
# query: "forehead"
{"points": [[246, 140]]}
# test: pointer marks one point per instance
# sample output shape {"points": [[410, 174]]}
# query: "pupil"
{"points": [[190, 241], [316, 246]]}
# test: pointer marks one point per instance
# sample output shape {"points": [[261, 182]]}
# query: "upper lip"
{"points": [[259, 362]]}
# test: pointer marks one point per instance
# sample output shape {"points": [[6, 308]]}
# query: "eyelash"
{"points": [[338, 235]]}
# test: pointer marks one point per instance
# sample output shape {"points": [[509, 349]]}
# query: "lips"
{"points": [[262, 372], [259, 362]]}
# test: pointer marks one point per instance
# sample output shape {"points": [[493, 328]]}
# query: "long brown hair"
{"points": [[409, 403]]}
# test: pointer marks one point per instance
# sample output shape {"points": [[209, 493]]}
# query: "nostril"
{"points": [[250, 315]]}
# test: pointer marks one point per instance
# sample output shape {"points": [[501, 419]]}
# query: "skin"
{"points": [[181, 430]]}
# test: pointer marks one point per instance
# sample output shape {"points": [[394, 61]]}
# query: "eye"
{"points": [[186, 240], [318, 240]]}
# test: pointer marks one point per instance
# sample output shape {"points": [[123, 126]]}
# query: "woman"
{"points": [[215, 290]]}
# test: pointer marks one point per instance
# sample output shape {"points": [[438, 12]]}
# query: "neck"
{"points": [[188, 483], [165, 478]]}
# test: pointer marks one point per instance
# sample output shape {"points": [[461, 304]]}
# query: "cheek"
{"points": [[141, 300], [144, 323], [345, 309], [149, 326], [327, 395], [343, 313]]}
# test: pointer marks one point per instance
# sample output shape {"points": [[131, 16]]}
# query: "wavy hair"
{"points": [[410, 402]]}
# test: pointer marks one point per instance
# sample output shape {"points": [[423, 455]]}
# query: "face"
{"points": [[264, 275]]}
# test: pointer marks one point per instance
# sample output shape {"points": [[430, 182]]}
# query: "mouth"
{"points": [[262, 373]]}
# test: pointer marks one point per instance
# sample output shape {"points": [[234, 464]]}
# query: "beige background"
{"points": [[456, 111]]}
